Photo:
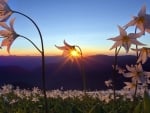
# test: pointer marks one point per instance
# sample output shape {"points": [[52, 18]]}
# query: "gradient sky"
{"points": [[87, 23]]}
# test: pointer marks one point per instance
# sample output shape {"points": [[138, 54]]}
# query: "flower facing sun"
{"points": [[70, 51]]}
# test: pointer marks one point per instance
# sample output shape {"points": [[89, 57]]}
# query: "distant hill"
{"points": [[26, 71]]}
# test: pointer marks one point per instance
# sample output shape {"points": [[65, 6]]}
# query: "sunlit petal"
{"points": [[116, 44], [142, 11], [135, 35], [4, 33], [122, 31], [12, 24], [66, 44], [131, 23], [136, 42], [7, 42], [117, 38], [5, 17], [4, 25]]}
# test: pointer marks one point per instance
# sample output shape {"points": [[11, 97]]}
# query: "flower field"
{"points": [[16, 100]]}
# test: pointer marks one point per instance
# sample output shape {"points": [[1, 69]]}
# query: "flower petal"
{"points": [[5, 17], [147, 23], [144, 57], [131, 23], [116, 44], [12, 24], [117, 38], [66, 44], [4, 33], [7, 42], [142, 11], [136, 42], [61, 47], [122, 31], [128, 75], [4, 25], [135, 35], [131, 69]]}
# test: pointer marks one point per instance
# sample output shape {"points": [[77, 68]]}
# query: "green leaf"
{"points": [[76, 110], [146, 102], [96, 109], [138, 108]]}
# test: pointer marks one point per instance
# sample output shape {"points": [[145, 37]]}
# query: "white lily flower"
{"points": [[136, 73], [141, 21], [8, 34], [144, 54], [5, 11], [125, 39]]}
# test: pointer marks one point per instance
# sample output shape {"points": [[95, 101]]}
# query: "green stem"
{"points": [[43, 59]]}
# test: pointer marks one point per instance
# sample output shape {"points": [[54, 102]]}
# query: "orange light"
{"points": [[74, 53]]}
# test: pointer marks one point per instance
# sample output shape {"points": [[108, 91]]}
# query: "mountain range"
{"points": [[25, 71]]}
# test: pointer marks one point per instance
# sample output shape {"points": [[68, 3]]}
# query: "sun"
{"points": [[74, 53]]}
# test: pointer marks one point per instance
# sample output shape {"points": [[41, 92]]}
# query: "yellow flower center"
{"points": [[140, 20], [125, 39]]}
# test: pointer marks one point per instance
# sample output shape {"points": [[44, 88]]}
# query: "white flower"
{"points": [[144, 54], [129, 85], [5, 11], [108, 83], [137, 73], [69, 51], [141, 21], [125, 39], [8, 34]]}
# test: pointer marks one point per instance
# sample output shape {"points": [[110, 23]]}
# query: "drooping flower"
{"points": [[8, 34], [5, 11], [141, 21], [144, 54], [137, 73], [125, 39], [69, 51]]}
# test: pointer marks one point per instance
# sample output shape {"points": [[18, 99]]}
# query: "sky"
{"points": [[86, 23]]}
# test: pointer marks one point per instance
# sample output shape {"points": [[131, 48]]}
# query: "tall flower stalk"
{"points": [[123, 40], [115, 71], [43, 59], [6, 12]]}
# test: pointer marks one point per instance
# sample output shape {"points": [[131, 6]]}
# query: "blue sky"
{"points": [[87, 23]]}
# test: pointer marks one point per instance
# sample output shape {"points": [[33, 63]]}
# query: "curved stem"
{"points": [[79, 49], [43, 59], [31, 42]]}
